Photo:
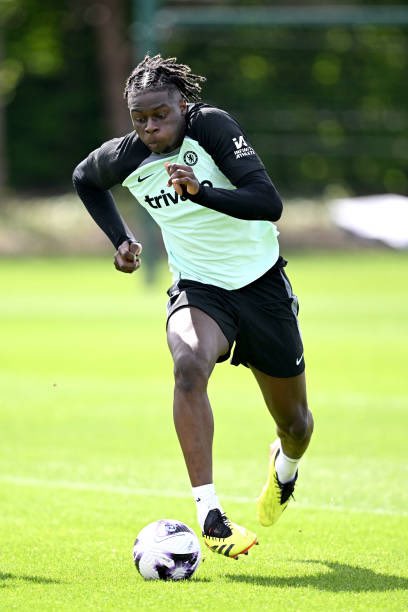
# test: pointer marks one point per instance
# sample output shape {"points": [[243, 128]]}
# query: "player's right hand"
{"points": [[127, 257]]}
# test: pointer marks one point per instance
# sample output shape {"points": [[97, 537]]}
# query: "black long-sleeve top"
{"points": [[219, 136]]}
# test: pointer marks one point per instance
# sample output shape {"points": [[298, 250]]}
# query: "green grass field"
{"points": [[88, 454]]}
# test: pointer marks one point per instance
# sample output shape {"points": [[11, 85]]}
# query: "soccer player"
{"points": [[191, 166]]}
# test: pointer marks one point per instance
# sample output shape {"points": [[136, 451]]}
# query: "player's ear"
{"points": [[183, 106]]}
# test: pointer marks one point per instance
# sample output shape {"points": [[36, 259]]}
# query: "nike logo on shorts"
{"points": [[299, 360]]}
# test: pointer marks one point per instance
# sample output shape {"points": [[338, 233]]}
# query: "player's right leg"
{"points": [[196, 342]]}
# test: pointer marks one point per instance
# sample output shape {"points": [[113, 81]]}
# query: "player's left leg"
{"points": [[286, 401]]}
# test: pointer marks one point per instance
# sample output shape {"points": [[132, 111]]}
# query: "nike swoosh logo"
{"points": [[299, 360], [140, 180]]}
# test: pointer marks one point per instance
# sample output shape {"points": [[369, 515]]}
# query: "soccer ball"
{"points": [[166, 550]]}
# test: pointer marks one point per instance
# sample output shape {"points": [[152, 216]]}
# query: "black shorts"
{"points": [[261, 318]]}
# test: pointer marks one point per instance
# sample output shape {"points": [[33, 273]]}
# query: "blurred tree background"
{"points": [[326, 107]]}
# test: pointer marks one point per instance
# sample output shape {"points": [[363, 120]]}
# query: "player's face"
{"points": [[159, 119]]}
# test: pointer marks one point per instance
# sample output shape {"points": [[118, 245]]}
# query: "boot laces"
{"points": [[286, 489], [217, 525]]}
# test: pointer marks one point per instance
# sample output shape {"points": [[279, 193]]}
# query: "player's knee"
{"points": [[301, 428], [191, 373]]}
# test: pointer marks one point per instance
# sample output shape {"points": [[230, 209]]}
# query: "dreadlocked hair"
{"points": [[159, 73]]}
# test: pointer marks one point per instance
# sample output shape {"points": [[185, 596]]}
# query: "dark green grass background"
{"points": [[88, 454]]}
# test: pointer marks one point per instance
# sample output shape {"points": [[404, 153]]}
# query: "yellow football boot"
{"points": [[274, 496], [226, 538]]}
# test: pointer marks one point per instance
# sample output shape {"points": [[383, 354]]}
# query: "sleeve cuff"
{"points": [[200, 196]]}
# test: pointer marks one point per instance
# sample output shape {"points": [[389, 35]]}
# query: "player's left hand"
{"points": [[182, 176]]}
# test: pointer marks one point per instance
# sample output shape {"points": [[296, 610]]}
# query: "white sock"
{"points": [[206, 499], [285, 467]]}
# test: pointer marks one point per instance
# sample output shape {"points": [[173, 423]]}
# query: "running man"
{"points": [[191, 166]]}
